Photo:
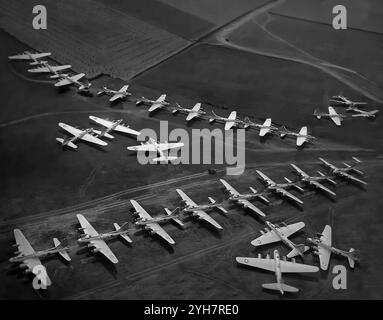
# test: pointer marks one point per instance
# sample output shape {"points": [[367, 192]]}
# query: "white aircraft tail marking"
{"points": [[351, 257]]}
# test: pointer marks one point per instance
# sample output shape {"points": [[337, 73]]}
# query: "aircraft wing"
{"points": [[301, 141], [126, 129], [265, 177], [287, 194], [124, 88], [63, 82], [27, 57], [143, 147], [158, 103], [168, 146], [262, 263], [70, 80], [252, 207], [191, 115], [72, 130], [299, 170], [292, 267], [156, 228], [265, 127], [185, 198], [328, 164], [86, 226], [229, 188], [351, 177], [103, 248], [272, 236], [324, 254], [140, 210], [52, 68], [229, 124], [40, 55], [116, 96], [204, 216], [322, 187], [334, 116], [26, 249], [90, 138]]}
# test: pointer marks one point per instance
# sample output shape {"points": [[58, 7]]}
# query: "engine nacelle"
{"points": [[259, 256]]}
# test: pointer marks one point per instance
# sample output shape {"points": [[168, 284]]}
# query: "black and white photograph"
{"points": [[191, 150]]}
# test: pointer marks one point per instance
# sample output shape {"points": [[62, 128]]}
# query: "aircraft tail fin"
{"points": [[175, 219], [283, 131], [253, 190], [64, 143], [294, 185], [327, 178], [212, 201], [219, 207], [352, 256], [123, 236], [281, 287], [317, 114], [63, 252]]}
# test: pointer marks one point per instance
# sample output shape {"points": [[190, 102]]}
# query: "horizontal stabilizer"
{"points": [[279, 287], [69, 144], [63, 252]]}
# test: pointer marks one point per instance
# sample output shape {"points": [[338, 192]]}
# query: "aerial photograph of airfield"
{"points": [[294, 213]]}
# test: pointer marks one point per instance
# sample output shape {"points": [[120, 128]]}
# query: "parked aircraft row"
{"points": [[29, 259], [321, 245], [63, 79], [350, 105]]}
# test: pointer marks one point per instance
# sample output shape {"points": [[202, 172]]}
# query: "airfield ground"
{"points": [[43, 187]]}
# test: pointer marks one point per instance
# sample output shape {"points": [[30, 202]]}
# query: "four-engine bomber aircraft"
{"points": [[280, 188], [243, 199], [120, 94], [276, 233], [111, 125], [264, 128], [66, 80], [155, 104], [314, 181], [153, 146], [29, 259], [96, 240], [344, 101], [277, 266], [34, 57], [47, 68], [302, 136], [195, 112], [230, 121], [363, 113], [343, 172], [79, 135], [147, 222], [324, 249], [332, 114], [198, 210]]}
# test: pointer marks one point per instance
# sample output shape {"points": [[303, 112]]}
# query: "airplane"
{"points": [[230, 121], [314, 181], [243, 199], [302, 136], [47, 68], [344, 172], [276, 234], [332, 114], [280, 188], [147, 222], [155, 104], [29, 259], [111, 125], [344, 101], [34, 57], [363, 113], [324, 248], [66, 80], [198, 211], [79, 135], [120, 94], [96, 240], [264, 128], [152, 146], [195, 112], [277, 266], [169, 216]]}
